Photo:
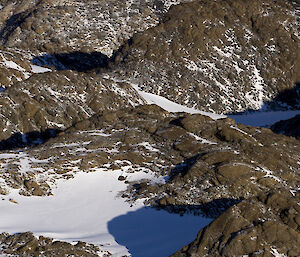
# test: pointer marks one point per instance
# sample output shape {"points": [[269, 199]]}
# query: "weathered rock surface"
{"points": [[224, 56], [267, 225], [26, 244], [56, 100], [65, 34], [210, 165], [205, 159], [14, 67], [66, 26]]}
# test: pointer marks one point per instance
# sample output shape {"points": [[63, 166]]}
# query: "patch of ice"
{"points": [[12, 65], [256, 95], [275, 252], [95, 133], [148, 146]]}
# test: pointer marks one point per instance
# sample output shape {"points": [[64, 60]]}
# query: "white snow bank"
{"points": [[174, 107], [87, 208], [263, 119], [258, 118]]}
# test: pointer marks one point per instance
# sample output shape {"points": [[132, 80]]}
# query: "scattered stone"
{"points": [[121, 178]]}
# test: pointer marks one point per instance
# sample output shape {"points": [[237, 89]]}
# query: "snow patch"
{"points": [[174, 107], [88, 208], [39, 69]]}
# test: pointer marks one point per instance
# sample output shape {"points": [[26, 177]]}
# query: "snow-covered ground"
{"points": [[88, 208]]}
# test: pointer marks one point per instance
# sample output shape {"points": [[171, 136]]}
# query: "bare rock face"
{"points": [[67, 26], [208, 165], [224, 56], [26, 244], [264, 226], [56, 100], [14, 67], [222, 163]]}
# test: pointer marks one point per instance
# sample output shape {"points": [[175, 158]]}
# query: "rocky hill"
{"points": [[79, 81], [43, 26], [56, 100], [264, 226], [222, 56]]}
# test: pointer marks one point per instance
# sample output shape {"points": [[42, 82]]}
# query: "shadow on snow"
{"points": [[33, 138], [148, 232], [284, 106], [78, 61]]}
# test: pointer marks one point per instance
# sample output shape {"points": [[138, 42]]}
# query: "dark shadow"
{"points": [[290, 127], [19, 140], [183, 168], [284, 106], [12, 23], [289, 97], [212, 209], [149, 232], [78, 61]]}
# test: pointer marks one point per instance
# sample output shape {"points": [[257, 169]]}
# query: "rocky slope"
{"points": [[67, 25], [267, 225], [234, 54], [49, 32], [222, 56], [56, 100], [69, 78]]}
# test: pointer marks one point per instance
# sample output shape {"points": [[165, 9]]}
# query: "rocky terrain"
{"points": [[239, 53], [77, 79], [267, 225], [209, 165], [26, 244], [56, 100]]}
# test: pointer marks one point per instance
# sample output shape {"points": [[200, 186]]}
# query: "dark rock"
{"points": [[121, 178], [290, 127], [252, 227]]}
